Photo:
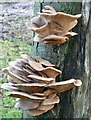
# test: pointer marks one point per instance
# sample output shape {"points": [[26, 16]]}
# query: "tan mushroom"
{"points": [[54, 39], [16, 65], [39, 94], [49, 71], [33, 82], [26, 105], [44, 62], [30, 88], [17, 78], [53, 27], [49, 9], [43, 79], [64, 85], [69, 34], [26, 96], [8, 86], [66, 21], [49, 92], [39, 21], [45, 107], [11, 80], [43, 30], [50, 101], [58, 23], [35, 112]]}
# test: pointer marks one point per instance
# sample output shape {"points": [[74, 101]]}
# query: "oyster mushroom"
{"points": [[53, 27], [43, 79], [64, 85], [33, 82], [45, 107], [51, 101], [49, 9], [26, 105], [35, 112], [49, 71], [8, 86], [58, 23], [66, 21], [26, 96], [54, 39], [30, 88], [44, 62], [17, 78]]}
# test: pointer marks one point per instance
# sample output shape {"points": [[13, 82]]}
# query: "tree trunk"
{"points": [[75, 103], [74, 61]]}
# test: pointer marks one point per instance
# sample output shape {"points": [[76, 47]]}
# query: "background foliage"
{"points": [[10, 50]]}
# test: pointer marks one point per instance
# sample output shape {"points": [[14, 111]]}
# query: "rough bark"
{"points": [[75, 103], [74, 60]]}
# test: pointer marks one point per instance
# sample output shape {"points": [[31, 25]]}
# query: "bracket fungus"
{"points": [[53, 27], [33, 82]]}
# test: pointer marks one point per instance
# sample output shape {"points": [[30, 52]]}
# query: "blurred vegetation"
{"points": [[10, 50]]}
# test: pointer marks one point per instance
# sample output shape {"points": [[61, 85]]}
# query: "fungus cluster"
{"points": [[53, 27], [33, 82]]}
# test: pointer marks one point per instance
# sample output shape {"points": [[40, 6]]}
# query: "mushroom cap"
{"points": [[43, 79], [27, 57], [49, 9], [48, 92], [43, 30], [50, 101], [69, 34], [32, 82], [64, 85], [11, 80], [38, 94], [15, 77], [30, 88], [44, 62], [65, 21], [45, 107], [8, 86], [53, 42], [39, 21], [53, 27], [55, 23], [35, 112], [25, 104], [78, 82], [47, 29], [35, 65], [49, 71], [26, 96], [54, 39], [19, 63]]}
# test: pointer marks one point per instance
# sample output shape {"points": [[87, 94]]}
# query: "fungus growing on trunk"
{"points": [[53, 27], [34, 84]]}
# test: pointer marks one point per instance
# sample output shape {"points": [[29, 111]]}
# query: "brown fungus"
{"points": [[53, 27], [33, 82]]}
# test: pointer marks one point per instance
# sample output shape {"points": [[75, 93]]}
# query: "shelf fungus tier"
{"points": [[53, 27], [32, 81]]}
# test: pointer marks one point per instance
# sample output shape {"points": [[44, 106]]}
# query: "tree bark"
{"points": [[74, 60], [75, 103]]}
